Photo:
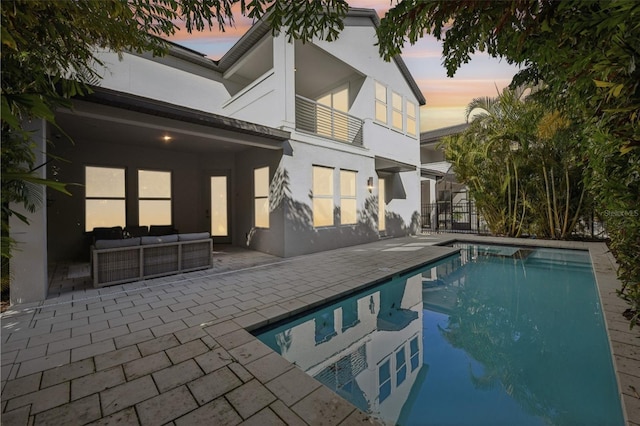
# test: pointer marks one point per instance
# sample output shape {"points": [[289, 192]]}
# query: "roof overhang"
{"points": [[436, 170], [392, 166], [123, 119], [170, 111], [434, 136]]}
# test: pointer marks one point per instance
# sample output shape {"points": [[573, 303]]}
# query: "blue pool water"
{"points": [[492, 336]]}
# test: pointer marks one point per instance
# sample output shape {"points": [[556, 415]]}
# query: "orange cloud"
{"points": [[458, 92], [438, 117]]}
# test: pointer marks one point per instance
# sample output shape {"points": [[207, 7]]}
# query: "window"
{"points": [[261, 197], [384, 380], [325, 327], [348, 211], [415, 353], [154, 198], [411, 118], [401, 366], [104, 197], [381, 103], [396, 114], [322, 196], [332, 119]]}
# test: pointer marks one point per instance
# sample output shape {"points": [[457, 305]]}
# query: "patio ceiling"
{"points": [[317, 71], [149, 125]]}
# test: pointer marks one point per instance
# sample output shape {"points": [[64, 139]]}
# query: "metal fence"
{"points": [[445, 216], [463, 217]]}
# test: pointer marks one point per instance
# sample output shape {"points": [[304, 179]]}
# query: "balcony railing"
{"points": [[322, 120]]}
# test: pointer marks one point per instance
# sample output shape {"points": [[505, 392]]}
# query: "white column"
{"points": [[432, 191], [284, 67], [28, 266]]}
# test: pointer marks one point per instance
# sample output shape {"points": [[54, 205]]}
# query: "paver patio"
{"points": [[177, 350]]}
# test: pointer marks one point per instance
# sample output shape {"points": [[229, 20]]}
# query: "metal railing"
{"points": [[445, 216], [331, 123]]}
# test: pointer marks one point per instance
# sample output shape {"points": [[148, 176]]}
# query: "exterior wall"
{"points": [[190, 86], [28, 266], [291, 195], [431, 155], [257, 102], [300, 234], [403, 204], [364, 57], [246, 235], [270, 99]]}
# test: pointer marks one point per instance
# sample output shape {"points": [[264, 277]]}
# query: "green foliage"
{"points": [[587, 54], [519, 162]]}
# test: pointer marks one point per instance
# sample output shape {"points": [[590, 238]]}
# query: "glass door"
{"points": [[382, 206], [220, 208]]}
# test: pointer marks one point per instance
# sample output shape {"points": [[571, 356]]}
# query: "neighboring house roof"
{"points": [[260, 29], [437, 134], [437, 169], [170, 111]]}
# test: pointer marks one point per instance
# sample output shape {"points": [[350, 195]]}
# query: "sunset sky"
{"points": [[446, 97]]}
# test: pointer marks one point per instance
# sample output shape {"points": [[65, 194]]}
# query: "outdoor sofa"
{"points": [[115, 261]]}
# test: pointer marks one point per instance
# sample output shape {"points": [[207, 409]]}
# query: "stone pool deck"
{"points": [[177, 350]]}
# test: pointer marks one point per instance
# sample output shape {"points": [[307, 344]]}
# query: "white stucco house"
{"points": [[282, 147]]}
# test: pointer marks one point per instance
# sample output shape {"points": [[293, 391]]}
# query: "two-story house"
{"points": [[282, 147]]}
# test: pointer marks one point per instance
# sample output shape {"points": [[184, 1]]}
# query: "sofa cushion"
{"points": [[159, 240], [193, 236], [107, 244], [112, 233], [136, 231], [158, 230]]}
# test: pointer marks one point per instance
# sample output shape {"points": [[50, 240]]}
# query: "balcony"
{"points": [[319, 119]]}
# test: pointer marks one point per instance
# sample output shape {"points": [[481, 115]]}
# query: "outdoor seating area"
{"points": [[116, 261]]}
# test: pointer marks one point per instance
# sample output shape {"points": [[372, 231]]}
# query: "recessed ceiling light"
{"points": [[166, 138]]}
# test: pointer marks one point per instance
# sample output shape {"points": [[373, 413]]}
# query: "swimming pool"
{"points": [[494, 335]]}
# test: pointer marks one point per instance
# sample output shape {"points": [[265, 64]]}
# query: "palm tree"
{"points": [[521, 165], [491, 151]]}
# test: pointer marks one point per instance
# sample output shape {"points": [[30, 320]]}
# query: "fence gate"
{"points": [[446, 216]]}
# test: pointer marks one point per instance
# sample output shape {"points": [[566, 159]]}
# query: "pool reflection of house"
{"points": [[368, 349], [441, 282]]}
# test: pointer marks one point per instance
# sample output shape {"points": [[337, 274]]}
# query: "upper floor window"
{"points": [[381, 103], [384, 380], [411, 119], [322, 196], [261, 197], [105, 203], [401, 366], [348, 210], [414, 353], [332, 115], [154, 198], [396, 112]]}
